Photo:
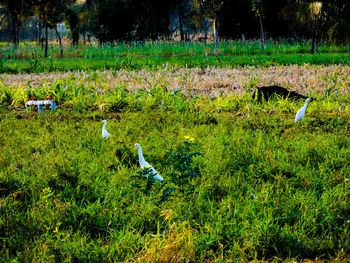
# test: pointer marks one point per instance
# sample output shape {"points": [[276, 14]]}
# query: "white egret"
{"points": [[301, 112], [105, 133], [145, 164]]}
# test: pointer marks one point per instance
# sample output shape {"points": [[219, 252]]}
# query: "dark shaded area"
{"points": [[268, 92], [8, 186], [237, 18], [136, 20], [111, 20]]}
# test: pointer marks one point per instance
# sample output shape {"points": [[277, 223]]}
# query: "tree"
{"points": [[119, 20], [17, 10], [112, 20], [311, 13], [179, 7], [50, 13], [337, 16], [324, 18], [72, 19], [257, 8], [84, 19], [211, 10], [152, 18], [91, 4]]}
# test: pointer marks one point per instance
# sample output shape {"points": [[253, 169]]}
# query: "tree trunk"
{"points": [[313, 38], [14, 31], [262, 37], [206, 29], [18, 38], [216, 36], [316, 41], [179, 13], [75, 37], [46, 41], [59, 39], [89, 40], [39, 32]]}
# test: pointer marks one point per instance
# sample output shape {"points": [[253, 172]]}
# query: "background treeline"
{"points": [[138, 20]]}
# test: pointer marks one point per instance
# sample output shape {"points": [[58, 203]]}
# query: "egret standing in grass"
{"points": [[301, 112], [145, 164], [105, 133]]}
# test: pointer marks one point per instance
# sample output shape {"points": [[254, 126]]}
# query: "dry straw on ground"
{"points": [[212, 81]]}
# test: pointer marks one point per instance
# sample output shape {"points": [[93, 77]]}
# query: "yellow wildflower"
{"points": [[147, 166], [191, 139], [187, 137]]}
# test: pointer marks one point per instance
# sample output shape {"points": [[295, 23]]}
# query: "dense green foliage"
{"points": [[267, 187], [28, 58]]}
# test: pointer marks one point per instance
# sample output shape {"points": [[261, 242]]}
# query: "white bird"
{"points": [[301, 112], [145, 164], [105, 133]]}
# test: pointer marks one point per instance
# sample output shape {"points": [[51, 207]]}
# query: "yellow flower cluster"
{"points": [[188, 138]]}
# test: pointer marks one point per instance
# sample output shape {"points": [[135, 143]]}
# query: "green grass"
{"points": [[156, 62], [28, 50], [252, 185], [269, 188], [135, 56]]}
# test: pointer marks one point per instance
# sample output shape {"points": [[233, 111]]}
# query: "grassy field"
{"points": [[267, 187], [131, 62], [29, 58], [242, 181], [30, 50]]}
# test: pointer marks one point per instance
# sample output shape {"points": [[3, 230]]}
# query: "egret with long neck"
{"points": [[300, 114], [144, 164], [105, 133]]}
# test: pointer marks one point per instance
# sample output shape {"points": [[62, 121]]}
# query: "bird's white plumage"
{"points": [[300, 114], [105, 133], [144, 164]]}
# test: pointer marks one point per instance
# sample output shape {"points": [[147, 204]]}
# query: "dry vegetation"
{"points": [[213, 81]]}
